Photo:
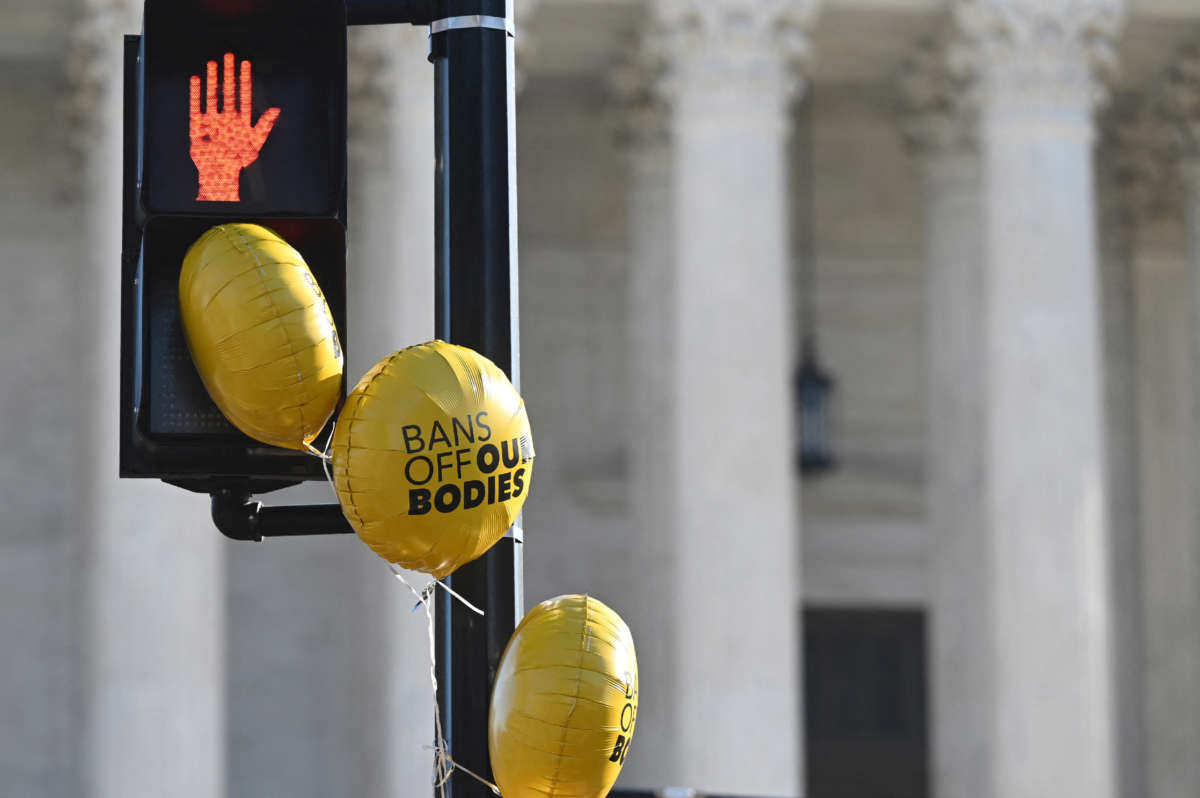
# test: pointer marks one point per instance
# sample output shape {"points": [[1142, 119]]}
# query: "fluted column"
{"points": [[1172, 548], [1046, 506], [153, 618], [642, 132], [1131, 170], [392, 304], [727, 477], [940, 129], [329, 670]]}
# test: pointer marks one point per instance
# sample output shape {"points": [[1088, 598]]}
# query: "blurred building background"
{"points": [[986, 213]]}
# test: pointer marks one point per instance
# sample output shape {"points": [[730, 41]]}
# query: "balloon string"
{"points": [[455, 766], [326, 457], [440, 772], [443, 764], [399, 574]]}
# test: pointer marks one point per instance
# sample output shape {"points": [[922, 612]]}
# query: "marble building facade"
{"points": [[999, 201]]}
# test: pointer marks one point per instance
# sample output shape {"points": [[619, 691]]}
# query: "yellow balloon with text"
{"points": [[432, 457], [564, 705], [261, 334]]}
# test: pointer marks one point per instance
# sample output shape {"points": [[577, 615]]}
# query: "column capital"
{"points": [[526, 43], [641, 112], [1136, 162], [93, 66], [90, 48], [90, 60], [524, 11], [729, 49], [1180, 104], [1040, 55], [933, 102], [92, 42], [369, 83]]}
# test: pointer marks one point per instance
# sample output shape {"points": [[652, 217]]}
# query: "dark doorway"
{"points": [[865, 704]]}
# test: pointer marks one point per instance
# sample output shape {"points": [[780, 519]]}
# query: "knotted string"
{"points": [[326, 457], [443, 764], [398, 572]]}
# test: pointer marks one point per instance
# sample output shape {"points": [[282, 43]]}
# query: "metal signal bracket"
{"points": [[239, 518]]}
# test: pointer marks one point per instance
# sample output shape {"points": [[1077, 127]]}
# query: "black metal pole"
{"points": [[471, 49]]}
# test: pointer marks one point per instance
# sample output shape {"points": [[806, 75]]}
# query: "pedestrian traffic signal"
{"points": [[235, 111], [224, 140]]}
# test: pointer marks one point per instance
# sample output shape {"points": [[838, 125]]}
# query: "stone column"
{"points": [[1132, 169], [153, 621], [392, 306], [940, 130], [329, 674], [726, 481], [642, 131], [1046, 506], [1172, 547], [1167, 433]]}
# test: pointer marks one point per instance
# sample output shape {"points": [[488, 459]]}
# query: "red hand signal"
{"points": [[224, 142]]}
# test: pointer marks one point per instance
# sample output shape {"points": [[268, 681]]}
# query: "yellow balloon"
{"points": [[432, 457], [565, 702], [261, 334]]}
